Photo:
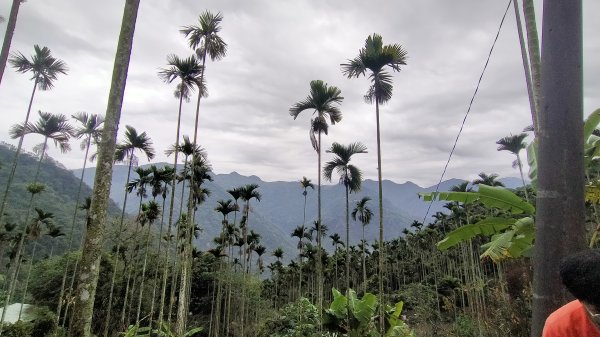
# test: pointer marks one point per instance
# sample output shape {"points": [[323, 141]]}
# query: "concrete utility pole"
{"points": [[560, 197]]}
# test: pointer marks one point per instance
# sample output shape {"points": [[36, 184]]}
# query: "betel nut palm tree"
{"points": [[364, 214], [125, 152], [514, 144], [90, 259], [375, 58], [45, 70], [89, 128], [350, 177], [323, 101], [205, 39]]}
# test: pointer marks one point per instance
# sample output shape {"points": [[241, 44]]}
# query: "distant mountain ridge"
{"points": [[281, 207]]}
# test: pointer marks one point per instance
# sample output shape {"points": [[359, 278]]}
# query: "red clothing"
{"points": [[570, 320]]}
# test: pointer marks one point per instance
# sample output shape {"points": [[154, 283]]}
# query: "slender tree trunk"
{"points": [[27, 280], [522, 177], [90, 261], [364, 262], [183, 304], [560, 221], [171, 207], [73, 222], [348, 238], [141, 295], [156, 274], [10, 29], [533, 45], [381, 248], [114, 273], [319, 245], [15, 162], [525, 58]]}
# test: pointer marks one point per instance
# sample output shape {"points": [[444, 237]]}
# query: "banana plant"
{"points": [[353, 317], [510, 236]]}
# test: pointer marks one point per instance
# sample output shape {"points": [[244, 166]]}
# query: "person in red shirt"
{"points": [[580, 273]]}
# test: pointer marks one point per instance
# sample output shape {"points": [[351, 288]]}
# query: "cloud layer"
{"points": [[275, 49]]}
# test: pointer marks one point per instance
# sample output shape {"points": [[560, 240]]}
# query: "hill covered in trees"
{"points": [[58, 198]]}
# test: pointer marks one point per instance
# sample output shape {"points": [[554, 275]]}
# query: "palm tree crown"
{"points": [[134, 141], [43, 65], [51, 126], [375, 56], [488, 179], [350, 175], [513, 144], [188, 71], [324, 101], [205, 37], [90, 127], [362, 212]]}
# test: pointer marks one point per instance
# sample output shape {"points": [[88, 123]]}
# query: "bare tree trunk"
{"points": [[10, 30], [526, 67], [533, 46], [560, 199], [381, 248], [73, 222], [92, 249]]}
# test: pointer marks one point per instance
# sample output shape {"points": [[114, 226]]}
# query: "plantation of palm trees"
{"points": [[134, 233]]}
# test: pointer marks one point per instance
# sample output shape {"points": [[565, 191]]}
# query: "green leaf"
{"points": [[532, 150], [464, 197], [364, 309], [487, 227], [339, 306], [591, 123], [398, 309], [193, 331], [500, 197], [497, 249]]}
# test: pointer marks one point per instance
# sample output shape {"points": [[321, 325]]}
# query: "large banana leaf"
{"points": [[487, 227], [498, 197], [464, 197], [591, 123], [514, 242]]}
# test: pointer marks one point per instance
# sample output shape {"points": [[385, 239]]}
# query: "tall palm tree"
{"points": [[301, 233], [34, 232], [248, 192], [90, 260], [305, 184], [363, 213], [188, 71], [90, 129], [207, 42], [8, 35], [236, 194], [514, 144], [350, 177], [488, 179], [336, 241], [150, 212], [374, 58], [125, 152], [198, 172], [45, 70], [324, 102]]}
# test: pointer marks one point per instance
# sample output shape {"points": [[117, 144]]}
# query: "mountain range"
{"points": [[280, 208]]}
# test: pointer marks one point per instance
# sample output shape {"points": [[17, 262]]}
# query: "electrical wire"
{"points": [[437, 188]]}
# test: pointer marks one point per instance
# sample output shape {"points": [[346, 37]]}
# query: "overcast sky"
{"points": [[275, 48]]}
